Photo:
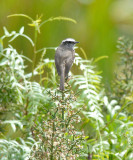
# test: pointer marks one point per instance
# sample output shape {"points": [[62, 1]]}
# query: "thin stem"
{"points": [[34, 54], [51, 156], [62, 109]]}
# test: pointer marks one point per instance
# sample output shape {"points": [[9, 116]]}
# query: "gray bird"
{"points": [[64, 58]]}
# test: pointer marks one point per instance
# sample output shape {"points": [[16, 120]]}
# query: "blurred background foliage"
{"points": [[106, 118], [99, 24]]}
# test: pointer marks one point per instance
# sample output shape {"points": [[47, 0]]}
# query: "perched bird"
{"points": [[64, 58]]}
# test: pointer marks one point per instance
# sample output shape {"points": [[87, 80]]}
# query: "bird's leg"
{"points": [[66, 77]]}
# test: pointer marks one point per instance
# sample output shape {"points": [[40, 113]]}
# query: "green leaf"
{"points": [[14, 37], [58, 18], [12, 123], [23, 35], [20, 15], [100, 58], [13, 126], [6, 31], [21, 30], [28, 39]]}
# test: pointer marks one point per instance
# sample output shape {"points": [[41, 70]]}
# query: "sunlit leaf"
{"points": [[100, 58], [58, 18], [21, 15], [6, 31], [21, 30]]}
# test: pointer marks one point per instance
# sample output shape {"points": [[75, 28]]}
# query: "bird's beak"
{"points": [[76, 42]]}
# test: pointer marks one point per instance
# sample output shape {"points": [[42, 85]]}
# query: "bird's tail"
{"points": [[62, 79]]}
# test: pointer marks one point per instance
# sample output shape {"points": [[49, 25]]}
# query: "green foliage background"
{"points": [[99, 23], [87, 120]]}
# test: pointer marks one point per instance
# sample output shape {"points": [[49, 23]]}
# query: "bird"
{"points": [[64, 58]]}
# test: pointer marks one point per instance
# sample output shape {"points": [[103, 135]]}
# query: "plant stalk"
{"points": [[34, 52]]}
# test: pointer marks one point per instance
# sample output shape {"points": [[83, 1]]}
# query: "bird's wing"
{"points": [[57, 61], [69, 63]]}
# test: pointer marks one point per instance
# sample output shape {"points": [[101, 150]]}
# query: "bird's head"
{"points": [[69, 43]]}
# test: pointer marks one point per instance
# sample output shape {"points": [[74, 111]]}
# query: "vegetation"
{"points": [[40, 122]]}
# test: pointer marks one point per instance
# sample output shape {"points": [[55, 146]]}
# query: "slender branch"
{"points": [[52, 143], [34, 55], [63, 108]]}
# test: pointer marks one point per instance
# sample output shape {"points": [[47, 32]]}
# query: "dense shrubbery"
{"points": [[41, 122]]}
